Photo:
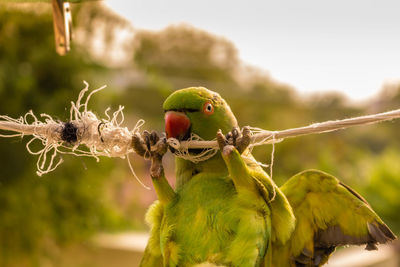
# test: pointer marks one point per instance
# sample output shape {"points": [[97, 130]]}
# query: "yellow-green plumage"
{"points": [[328, 214], [226, 211]]}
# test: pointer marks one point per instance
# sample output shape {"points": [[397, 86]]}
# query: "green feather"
{"points": [[329, 214], [226, 211]]}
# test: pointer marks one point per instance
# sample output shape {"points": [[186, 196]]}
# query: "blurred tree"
{"points": [[185, 52], [81, 197], [382, 186], [66, 205]]}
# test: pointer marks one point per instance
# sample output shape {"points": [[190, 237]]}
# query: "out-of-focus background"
{"points": [[92, 214]]}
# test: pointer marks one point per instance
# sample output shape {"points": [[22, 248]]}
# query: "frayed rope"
{"points": [[83, 135], [86, 135]]}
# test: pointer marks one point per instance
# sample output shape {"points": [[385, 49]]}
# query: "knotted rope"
{"points": [[84, 134]]}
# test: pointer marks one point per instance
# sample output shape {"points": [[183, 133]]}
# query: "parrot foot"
{"points": [[236, 138], [152, 147]]}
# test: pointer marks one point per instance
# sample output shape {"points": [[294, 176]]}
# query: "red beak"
{"points": [[177, 124]]}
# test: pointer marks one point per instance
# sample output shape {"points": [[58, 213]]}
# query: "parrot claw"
{"points": [[152, 147], [239, 139], [223, 143]]}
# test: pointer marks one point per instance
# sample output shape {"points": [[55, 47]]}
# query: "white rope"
{"points": [[94, 137], [183, 152], [97, 137], [263, 137]]}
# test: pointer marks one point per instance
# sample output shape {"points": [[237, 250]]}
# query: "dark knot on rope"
{"points": [[69, 133]]}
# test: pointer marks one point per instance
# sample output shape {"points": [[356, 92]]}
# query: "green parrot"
{"points": [[226, 211]]}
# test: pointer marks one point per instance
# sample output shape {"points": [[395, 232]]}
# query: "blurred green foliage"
{"points": [[82, 196], [62, 206]]}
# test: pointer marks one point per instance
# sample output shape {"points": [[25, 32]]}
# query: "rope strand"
{"points": [[263, 137], [86, 135]]}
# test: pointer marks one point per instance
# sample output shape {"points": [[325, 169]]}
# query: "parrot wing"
{"points": [[328, 214]]}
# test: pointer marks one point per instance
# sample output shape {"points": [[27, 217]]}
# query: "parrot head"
{"points": [[199, 111]]}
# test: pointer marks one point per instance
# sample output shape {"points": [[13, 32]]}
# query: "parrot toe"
{"points": [[227, 150], [224, 143], [151, 147], [243, 140], [221, 139], [139, 145], [239, 139]]}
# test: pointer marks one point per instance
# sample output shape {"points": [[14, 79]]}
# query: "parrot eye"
{"points": [[208, 108]]}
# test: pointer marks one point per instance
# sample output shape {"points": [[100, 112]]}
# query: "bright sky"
{"points": [[351, 46]]}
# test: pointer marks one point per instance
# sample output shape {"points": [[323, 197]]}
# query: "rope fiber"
{"points": [[84, 134]]}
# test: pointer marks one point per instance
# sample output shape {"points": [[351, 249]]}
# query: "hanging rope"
{"points": [[84, 134]]}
